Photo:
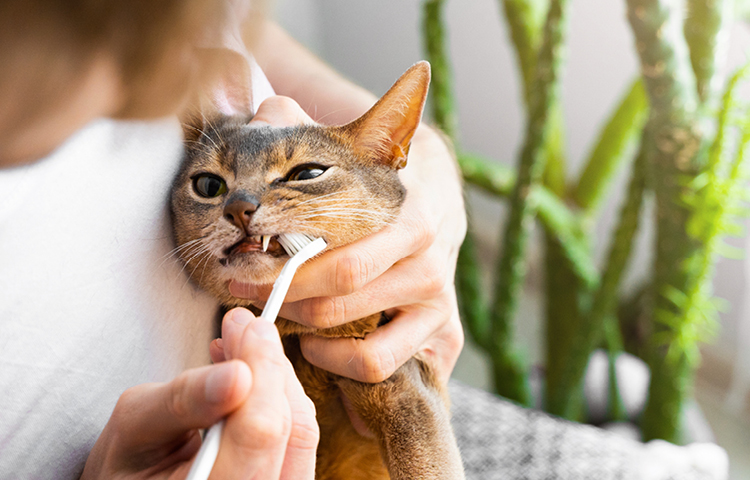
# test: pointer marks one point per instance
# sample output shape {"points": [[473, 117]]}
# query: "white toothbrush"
{"points": [[300, 248]]}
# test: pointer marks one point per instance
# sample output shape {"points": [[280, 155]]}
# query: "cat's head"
{"points": [[242, 185]]}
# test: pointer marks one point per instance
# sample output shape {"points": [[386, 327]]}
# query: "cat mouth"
{"points": [[265, 244]]}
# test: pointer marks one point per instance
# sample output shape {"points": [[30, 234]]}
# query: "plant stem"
{"points": [[590, 332], [613, 148], [490, 176], [441, 88], [471, 300], [525, 19], [707, 28], [510, 380], [670, 84], [557, 218], [615, 407]]}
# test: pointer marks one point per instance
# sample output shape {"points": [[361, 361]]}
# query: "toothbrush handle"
{"points": [[206, 457], [284, 280]]}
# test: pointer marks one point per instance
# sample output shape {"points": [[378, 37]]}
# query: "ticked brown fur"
{"points": [[357, 193]]}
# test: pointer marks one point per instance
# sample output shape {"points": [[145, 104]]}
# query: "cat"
{"points": [[240, 183]]}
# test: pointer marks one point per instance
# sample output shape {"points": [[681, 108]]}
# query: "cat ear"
{"points": [[386, 130]]}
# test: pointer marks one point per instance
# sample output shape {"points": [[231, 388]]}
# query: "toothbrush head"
{"points": [[294, 242], [284, 280]]}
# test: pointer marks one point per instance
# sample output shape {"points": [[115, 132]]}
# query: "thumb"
{"points": [[279, 111], [197, 398]]}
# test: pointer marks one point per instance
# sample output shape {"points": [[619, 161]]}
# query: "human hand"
{"points": [[406, 270], [270, 429]]}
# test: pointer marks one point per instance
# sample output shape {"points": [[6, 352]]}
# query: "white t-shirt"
{"points": [[91, 300]]}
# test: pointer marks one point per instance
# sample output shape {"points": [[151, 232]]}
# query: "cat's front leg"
{"points": [[408, 414]]}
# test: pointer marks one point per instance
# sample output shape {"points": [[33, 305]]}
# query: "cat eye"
{"points": [[209, 186], [307, 171]]}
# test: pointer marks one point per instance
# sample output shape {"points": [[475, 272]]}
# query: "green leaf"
{"points": [[616, 142]]}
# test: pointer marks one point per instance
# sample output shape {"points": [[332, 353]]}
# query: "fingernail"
{"points": [[265, 330], [242, 317], [243, 290], [219, 382]]}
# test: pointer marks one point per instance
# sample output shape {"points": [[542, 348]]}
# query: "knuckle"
{"points": [[126, 405], [424, 232], [177, 403], [269, 358], [128, 399], [376, 365], [435, 280], [435, 277], [305, 434], [264, 429], [324, 312], [454, 338], [352, 272]]}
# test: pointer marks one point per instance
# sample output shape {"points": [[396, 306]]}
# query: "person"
{"points": [[105, 356]]}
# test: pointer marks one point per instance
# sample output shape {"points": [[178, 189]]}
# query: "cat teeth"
{"points": [[266, 241], [256, 238]]}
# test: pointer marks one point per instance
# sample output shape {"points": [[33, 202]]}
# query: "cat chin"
{"points": [[258, 269]]}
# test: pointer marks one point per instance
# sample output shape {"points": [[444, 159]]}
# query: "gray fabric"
{"points": [[500, 440]]}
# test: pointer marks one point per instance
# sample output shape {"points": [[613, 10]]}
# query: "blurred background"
{"points": [[372, 43]]}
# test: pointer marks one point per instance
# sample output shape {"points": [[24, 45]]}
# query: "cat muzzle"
{"points": [[268, 244]]}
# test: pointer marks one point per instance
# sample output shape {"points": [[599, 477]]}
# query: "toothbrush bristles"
{"points": [[294, 242]]}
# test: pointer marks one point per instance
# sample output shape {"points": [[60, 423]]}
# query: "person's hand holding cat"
{"points": [[270, 430], [405, 270]]}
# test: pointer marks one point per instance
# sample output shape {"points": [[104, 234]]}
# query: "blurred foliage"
{"points": [[681, 132]]}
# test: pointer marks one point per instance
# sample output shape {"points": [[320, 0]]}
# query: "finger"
{"points": [[216, 350], [233, 328], [152, 414], [380, 353], [280, 111], [299, 459], [347, 269], [408, 282], [442, 349], [255, 436]]}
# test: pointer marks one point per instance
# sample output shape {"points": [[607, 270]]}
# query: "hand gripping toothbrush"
{"points": [[300, 248]]}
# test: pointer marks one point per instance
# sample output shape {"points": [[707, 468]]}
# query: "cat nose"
{"points": [[239, 211]]}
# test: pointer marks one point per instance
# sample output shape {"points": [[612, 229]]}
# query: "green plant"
{"points": [[690, 143]]}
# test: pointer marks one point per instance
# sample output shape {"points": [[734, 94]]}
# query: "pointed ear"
{"points": [[384, 133]]}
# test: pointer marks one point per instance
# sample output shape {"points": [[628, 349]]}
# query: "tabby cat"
{"points": [[241, 184]]}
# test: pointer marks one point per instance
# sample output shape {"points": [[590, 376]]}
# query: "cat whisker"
{"points": [[321, 197], [373, 213], [218, 132], [321, 204], [181, 249], [344, 217], [320, 120], [335, 201], [204, 149], [345, 212], [204, 261], [204, 134], [198, 252], [201, 251], [193, 271]]}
